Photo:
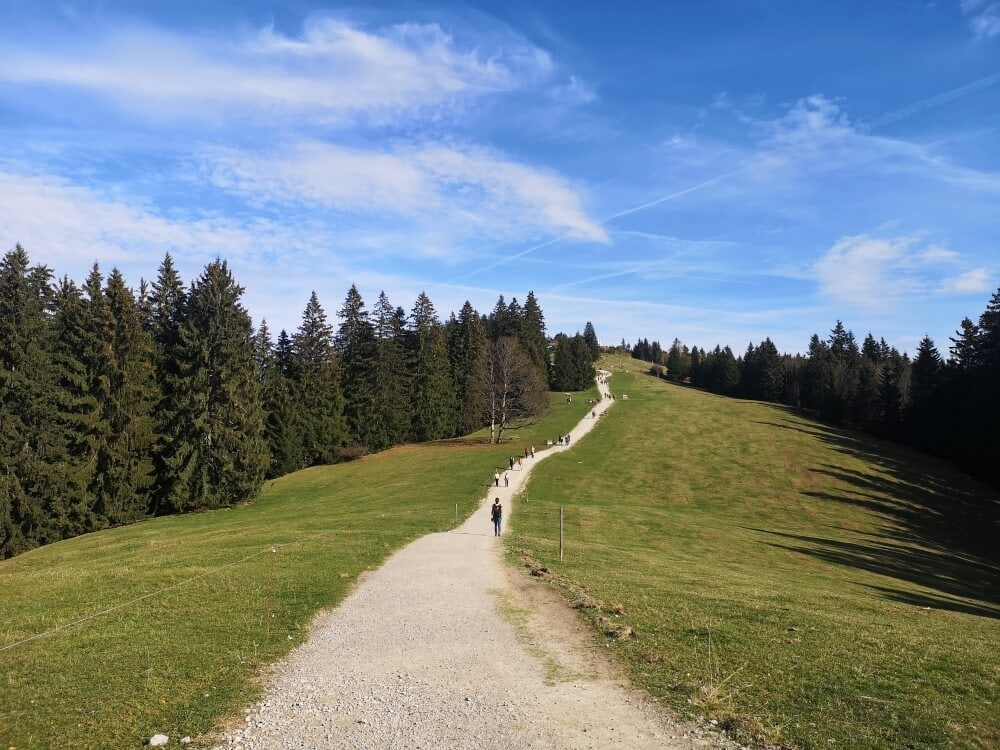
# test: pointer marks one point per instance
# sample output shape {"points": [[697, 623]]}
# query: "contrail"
{"points": [[889, 117], [935, 101], [626, 212]]}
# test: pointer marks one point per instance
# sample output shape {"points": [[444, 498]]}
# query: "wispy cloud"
{"points": [[469, 191], [68, 223], [984, 17], [333, 70]]}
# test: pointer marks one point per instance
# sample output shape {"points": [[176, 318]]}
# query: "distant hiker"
{"points": [[496, 478], [496, 514], [525, 451], [532, 451], [567, 440], [506, 479], [593, 414], [512, 463]]}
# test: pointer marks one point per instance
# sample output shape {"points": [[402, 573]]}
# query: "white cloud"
{"points": [[861, 270], [333, 70], [468, 192], [69, 224], [975, 281], [874, 273]]}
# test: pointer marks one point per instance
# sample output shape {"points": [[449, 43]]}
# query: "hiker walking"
{"points": [[506, 479], [496, 478], [532, 451], [512, 463], [496, 514]]}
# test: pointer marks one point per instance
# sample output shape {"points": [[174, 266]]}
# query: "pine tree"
{"points": [[355, 344], [318, 391], [434, 408]]}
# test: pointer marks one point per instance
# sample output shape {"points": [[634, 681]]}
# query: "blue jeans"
{"points": [[496, 526]]}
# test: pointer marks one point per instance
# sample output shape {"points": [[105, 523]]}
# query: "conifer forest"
{"points": [[945, 405], [120, 403]]}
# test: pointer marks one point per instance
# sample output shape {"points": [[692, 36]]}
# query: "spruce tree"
{"points": [[217, 456], [583, 365], [434, 407], [168, 304], [590, 335], [356, 347], [925, 393], [467, 347], [534, 340], [392, 418], [32, 444], [118, 357], [283, 422], [318, 383]]}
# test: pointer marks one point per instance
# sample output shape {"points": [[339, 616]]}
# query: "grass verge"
{"points": [[179, 661], [803, 585]]}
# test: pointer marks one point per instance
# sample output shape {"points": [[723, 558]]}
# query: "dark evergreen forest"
{"points": [[948, 406], [118, 404]]}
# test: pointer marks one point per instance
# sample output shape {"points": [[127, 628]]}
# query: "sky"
{"points": [[716, 172]]}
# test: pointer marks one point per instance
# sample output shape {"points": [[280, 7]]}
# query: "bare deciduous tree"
{"points": [[510, 385]]}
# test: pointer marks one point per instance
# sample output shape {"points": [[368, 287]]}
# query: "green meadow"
{"points": [[802, 585], [186, 657]]}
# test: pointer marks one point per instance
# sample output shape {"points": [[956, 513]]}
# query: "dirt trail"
{"points": [[445, 646]]}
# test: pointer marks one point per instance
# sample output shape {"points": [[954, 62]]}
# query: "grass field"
{"points": [[801, 584], [180, 660]]}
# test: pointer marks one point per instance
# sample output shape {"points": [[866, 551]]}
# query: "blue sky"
{"points": [[717, 172]]}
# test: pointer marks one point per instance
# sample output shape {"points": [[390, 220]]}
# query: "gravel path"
{"points": [[421, 656]]}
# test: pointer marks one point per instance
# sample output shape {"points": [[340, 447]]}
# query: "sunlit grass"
{"points": [[798, 583], [178, 661]]}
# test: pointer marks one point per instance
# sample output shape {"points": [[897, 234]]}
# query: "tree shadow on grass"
{"points": [[953, 576], [939, 529]]}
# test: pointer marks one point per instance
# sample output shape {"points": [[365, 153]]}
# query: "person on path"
{"points": [[496, 478], [532, 451], [593, 414], [525, 451], [520, 463], [512, 463], [496, 514], [506, 479]]}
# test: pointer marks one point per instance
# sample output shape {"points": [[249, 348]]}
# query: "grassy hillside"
{"points": [[798, 583], [178, 660]]}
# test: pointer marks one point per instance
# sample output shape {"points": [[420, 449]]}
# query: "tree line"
{"points": [[118, 404], [949, 406]]}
